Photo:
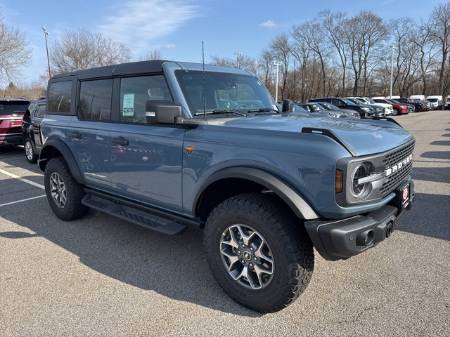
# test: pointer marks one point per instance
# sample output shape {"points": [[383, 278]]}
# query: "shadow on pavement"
{"points": [[441, 142], [436, 174], [436, 154], [429, 216], [173, 266], [17, 235]]}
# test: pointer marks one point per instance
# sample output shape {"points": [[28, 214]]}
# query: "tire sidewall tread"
{"points": [[73, 209], [290, 245]]}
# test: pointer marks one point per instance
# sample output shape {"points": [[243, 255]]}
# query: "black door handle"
{"points": [[120, 141], [75, 135]]}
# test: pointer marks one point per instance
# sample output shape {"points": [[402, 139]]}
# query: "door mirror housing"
{"points": [[288, 105], [162, 112]]}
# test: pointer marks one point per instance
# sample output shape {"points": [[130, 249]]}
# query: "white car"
{"points": [[388, 109], [435, 101]]}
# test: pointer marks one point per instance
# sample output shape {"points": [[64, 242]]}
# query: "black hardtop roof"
{"points": [[116, 70]]}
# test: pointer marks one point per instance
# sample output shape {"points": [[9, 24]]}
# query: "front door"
{"points": [[146, 159]]}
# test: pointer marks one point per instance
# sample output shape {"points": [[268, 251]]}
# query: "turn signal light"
{"points": [[338, 181]]}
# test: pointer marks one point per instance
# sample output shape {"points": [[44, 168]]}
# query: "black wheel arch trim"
{"points": [[293, 199], [67, 155]]}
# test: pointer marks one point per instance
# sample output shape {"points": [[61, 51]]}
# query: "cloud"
{"points": [[136, 23], [268, 24], [170, 46]]}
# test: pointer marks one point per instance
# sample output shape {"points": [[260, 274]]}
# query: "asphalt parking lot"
{"points": [[101, 276]]}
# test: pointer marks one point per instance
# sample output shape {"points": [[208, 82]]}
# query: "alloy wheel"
{"points": [[29, 150], [247, 257], [58, 189]]}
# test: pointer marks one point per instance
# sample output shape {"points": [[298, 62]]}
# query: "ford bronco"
{"points": [[168, 144]]}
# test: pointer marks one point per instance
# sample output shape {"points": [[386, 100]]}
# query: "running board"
{"points": [[132, 214]]}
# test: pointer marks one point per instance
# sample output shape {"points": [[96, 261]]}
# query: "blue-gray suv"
{"points": [[168, 144]]}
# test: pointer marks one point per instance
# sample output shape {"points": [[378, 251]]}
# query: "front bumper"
{"points": [[341, 239]]}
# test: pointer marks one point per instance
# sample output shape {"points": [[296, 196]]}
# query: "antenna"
{"points": [[203, 80]]}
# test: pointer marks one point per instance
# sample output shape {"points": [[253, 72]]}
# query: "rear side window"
{"points": [[95, 100], [59, 97], [40, 112], [136, 91]]}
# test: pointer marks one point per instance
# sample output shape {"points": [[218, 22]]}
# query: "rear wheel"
{"points": [[30, 152], [261, 257], [64, 194]]}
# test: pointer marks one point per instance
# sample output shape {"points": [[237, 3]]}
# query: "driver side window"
{"points": [[136, 91]]}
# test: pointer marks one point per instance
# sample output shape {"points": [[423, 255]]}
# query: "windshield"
{"points": [[222, 92], [432, 99], [8, 107]]}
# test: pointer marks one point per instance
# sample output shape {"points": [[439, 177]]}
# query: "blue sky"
{"points": [[176, 27]]}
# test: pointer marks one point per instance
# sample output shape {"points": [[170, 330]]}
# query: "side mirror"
{"points": [[288, 105], [162, 112]]}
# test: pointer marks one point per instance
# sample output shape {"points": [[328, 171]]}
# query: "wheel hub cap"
{"points": [[247, 256]]}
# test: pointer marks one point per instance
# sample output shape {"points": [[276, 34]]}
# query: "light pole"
{"points": [[46, 49], [392, 72], [277, 64]]}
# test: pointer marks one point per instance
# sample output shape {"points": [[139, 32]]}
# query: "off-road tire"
{"points": [[73, 209], [291, 248]]}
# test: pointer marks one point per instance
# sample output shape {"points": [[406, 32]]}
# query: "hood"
{"points": [[361, 136]]}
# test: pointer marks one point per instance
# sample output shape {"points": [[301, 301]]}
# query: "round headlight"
{"points": [[361, 171]]}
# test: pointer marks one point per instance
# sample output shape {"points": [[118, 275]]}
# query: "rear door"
{"points": [[90, 136]]}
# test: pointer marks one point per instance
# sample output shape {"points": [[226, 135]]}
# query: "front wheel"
{"points": [[261, 257], [30, 152]]}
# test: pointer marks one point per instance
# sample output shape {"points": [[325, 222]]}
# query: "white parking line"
{"points": [[22, 179], [22, 200]]}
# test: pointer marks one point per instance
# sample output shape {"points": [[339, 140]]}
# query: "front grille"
{"points": [[397, 177]]}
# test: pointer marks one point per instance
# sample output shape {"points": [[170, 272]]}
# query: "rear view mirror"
{"points": [[162, 112]]}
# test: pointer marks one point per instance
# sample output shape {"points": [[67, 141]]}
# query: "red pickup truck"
{"points": [[11, 113]]}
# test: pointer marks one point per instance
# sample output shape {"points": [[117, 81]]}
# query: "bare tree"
{"points": [[240, 61], [154, 54], [311, 34], [82, 49], [421, 39], [440, 33], [13, 51], [281, 49], [265, 67], [333, 25]]}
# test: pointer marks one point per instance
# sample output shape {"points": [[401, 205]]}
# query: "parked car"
{"points": [[417, 97], [32, 129], [388, 109], [379, 111], [343, 103], [318, 110], [399, 108], [169, 144], [415, 105], [11, 113], [330, 107], [435, 101]]}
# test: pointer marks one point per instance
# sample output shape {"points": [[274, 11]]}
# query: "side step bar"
{"points": [[132, 214]]}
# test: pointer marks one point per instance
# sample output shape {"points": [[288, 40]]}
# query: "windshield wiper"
{"points": [[222, 111], [263, 110]]}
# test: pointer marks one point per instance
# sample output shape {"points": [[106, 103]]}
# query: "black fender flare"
{"points": [[52, 144], [292, 198]]}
